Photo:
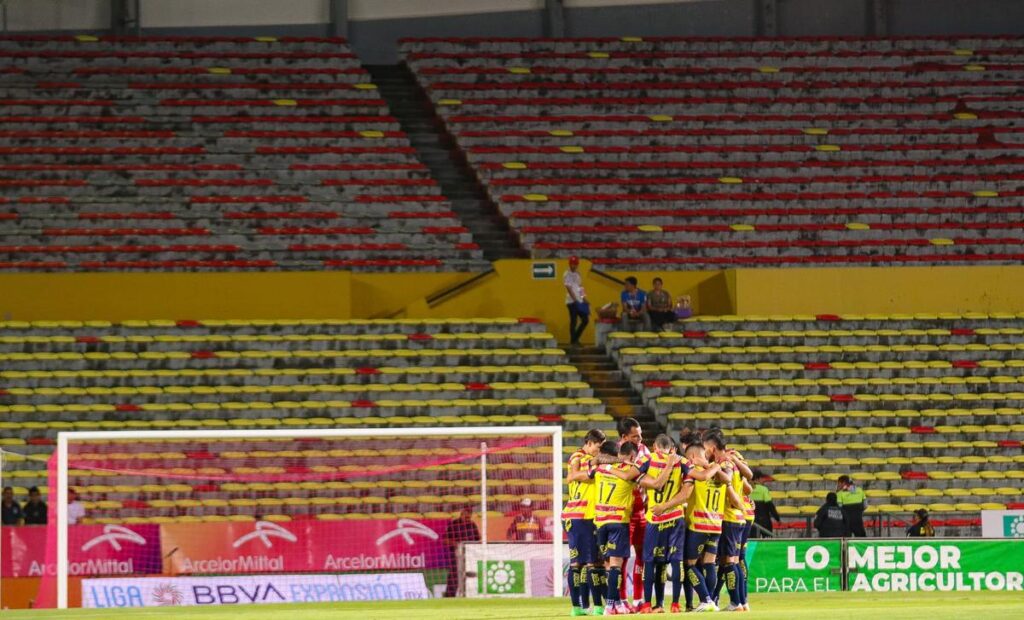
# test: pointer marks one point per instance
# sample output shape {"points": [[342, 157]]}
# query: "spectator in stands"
{"points": [[11, 511], [853, 502], [659, 306], [830, 521], [683, 309], [35, 508], [921, 527], [575, 301], [460, 530], [76, 511], [765, 512], [634, 306], [524, 527]]}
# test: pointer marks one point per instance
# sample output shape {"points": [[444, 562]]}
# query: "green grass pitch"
{"points": [[830, 606]]}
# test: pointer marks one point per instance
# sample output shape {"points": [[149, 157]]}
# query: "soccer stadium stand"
{"points": [[924, 410], [210, 154], [713, 153], [279, 374]]}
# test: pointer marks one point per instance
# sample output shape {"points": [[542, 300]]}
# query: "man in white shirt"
{"points": [[575, 301], [76, 511]]}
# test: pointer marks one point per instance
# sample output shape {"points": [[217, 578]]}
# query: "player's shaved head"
{"points": [[627, 449]]}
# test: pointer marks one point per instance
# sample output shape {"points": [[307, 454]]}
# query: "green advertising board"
{"points": [[935, 565], [501, 577], [795, 565]]}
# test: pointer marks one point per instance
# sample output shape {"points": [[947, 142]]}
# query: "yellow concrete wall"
{"points": [[510, 291], [119, 296], [381, 295], [883, 290]]}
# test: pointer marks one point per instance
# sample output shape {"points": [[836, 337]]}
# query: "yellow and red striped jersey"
{"points": [[653, 467], [614, 503], [705, 509], [581, 493], [735, 514], [748, 502]]}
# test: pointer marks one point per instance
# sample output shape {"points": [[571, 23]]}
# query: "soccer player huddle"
{"points": [[697, 514]]}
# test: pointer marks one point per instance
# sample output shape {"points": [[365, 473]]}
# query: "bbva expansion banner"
{"points": [[250, 590]]}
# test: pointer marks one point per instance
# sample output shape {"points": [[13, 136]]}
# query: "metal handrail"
{"points": [[601, 274], [437, 298]]}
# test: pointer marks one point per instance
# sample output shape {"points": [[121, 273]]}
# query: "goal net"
{"points": [[161, 518]]}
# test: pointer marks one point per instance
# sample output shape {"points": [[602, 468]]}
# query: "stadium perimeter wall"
{"points": [[509, 290], [374, 26]]}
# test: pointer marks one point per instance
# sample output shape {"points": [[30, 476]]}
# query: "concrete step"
{"points": [[408, 103], [613, 388]]}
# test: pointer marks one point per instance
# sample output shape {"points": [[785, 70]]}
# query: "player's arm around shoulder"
{"points": [[623, 471], [663, 475], [577, 472], [679, 499], [705, 474]]}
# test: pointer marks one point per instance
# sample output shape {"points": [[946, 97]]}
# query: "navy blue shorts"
{"points": [[582, 541], [678, 548], [661, 539], [746, 537], [700, 543], [613, 540], [732, 539]]}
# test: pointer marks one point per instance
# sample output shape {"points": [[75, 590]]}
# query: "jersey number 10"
{"points": [[712, 498]]}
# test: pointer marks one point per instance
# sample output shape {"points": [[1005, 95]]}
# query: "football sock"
{"points": [[710, 577], [720, 579], [638, 576], [677, 581], [584, 587], [696, 579], [648, 581], [574, 585], [614, 574], [597, 585], [743, 582], [732, 582], [659, 585], [622, 586]]}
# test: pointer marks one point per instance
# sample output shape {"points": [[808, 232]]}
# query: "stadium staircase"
{"points": [[415, 113], [612, 387]]}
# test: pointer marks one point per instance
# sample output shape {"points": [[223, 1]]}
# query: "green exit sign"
{"points": [[543, 271]]}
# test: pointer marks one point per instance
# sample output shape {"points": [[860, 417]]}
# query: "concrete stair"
{"points": [[612, 387], [437, 150]]}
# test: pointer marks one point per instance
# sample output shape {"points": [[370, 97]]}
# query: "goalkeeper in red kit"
{"points": [[629, 430]]}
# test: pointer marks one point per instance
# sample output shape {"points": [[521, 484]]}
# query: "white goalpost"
{"points": [[315, 513]]}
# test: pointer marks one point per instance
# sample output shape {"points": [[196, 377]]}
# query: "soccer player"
{"points": [[663, 535], [630, 431], [704, 494], [730, 572], [579, 523], [615, 485], [748, 517]]}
